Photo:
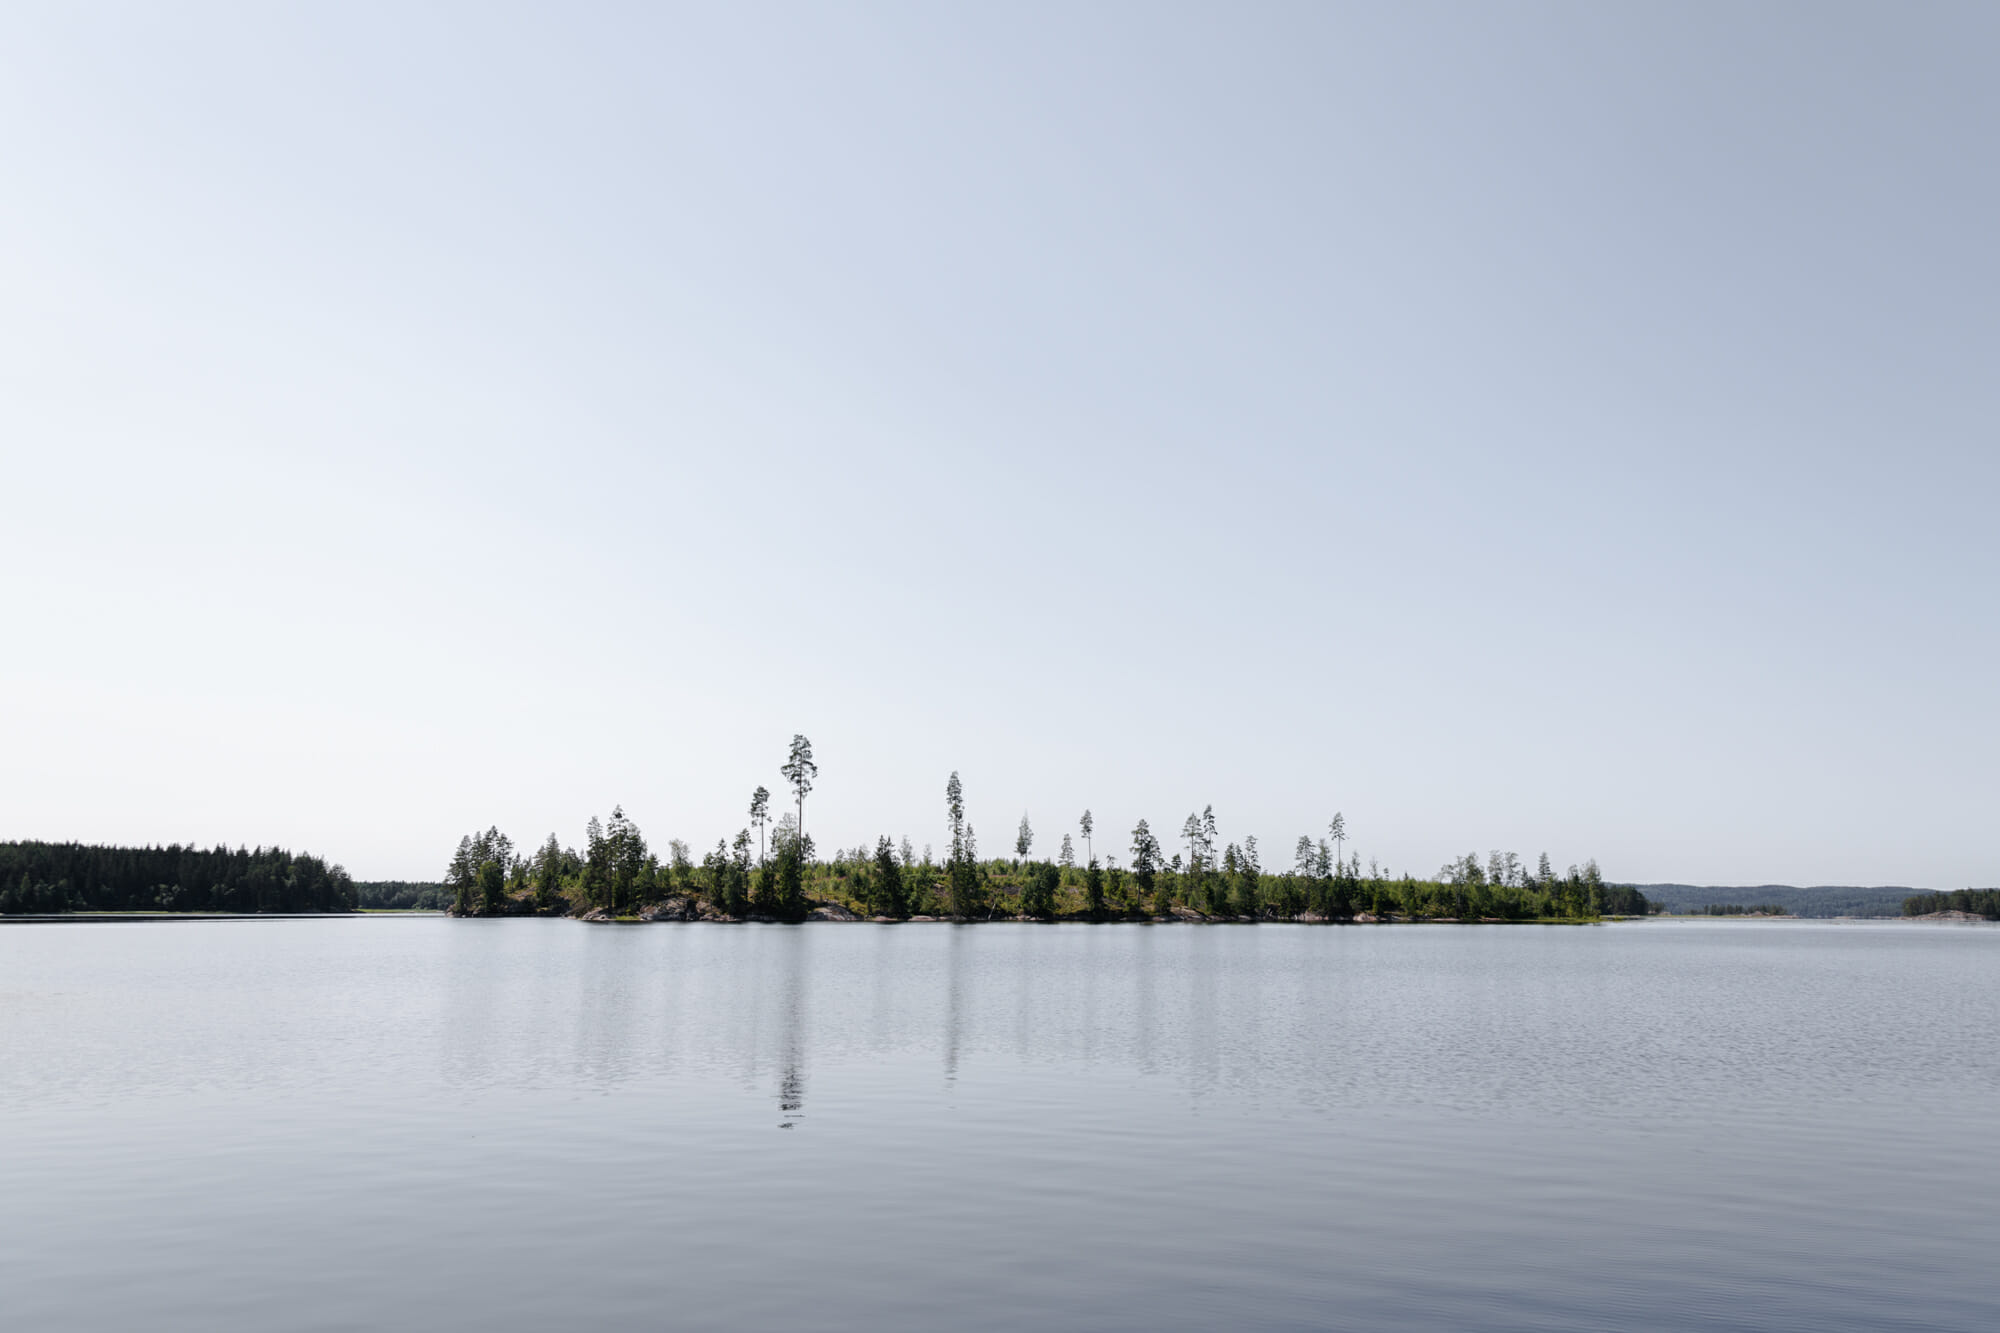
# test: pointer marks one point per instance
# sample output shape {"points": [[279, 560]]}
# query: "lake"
{"points": [[389, 1123]]}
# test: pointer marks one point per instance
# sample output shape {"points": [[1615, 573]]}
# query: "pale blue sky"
{"points": [[1565, 427]]}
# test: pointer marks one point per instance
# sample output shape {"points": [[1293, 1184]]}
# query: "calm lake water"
{"points": [[431, 1124]]}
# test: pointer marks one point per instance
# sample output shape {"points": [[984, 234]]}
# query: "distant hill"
{"points": [[1823, 900], [400, 893]]}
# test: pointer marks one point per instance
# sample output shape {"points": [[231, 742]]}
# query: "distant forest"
{"points": [[1823, 900], [772, 871], [1980, 902], [38, 877], [401, 895]]}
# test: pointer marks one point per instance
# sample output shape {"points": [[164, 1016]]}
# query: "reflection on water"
{"points": [[416, 1122]]}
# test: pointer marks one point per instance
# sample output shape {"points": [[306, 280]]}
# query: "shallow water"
{"points": [[422, 1123]]}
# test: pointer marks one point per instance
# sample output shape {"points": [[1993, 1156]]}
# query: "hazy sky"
{"points": [[1522, 427]]}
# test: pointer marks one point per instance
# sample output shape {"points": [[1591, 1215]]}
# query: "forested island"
{"points": [[771, 871], [50, 877], [1984, 903]]}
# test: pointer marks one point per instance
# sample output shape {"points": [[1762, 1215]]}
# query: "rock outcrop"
{"points": [[831, 912]]}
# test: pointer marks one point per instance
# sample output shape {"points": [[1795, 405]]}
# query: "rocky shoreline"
{"points": [[682, 909]]}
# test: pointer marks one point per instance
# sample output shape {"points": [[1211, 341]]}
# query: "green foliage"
{"points": [[1821, 900], [1980, 902], [401, 895], [492, 886], [552, 867], [1038, 895], [1208, 879], [1145, 859], [790, 901], [965, 892], [887, 896], [1093, 890], [38, 877], [461, 876], [798, 770]]}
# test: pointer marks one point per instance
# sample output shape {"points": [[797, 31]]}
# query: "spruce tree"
{"points": [[760, 815], [961, 867], [492, 887], [596, 880], [888, 897], [461, 876], [1145, 859]]}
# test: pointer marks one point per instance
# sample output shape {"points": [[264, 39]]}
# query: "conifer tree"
{"points": [[1145, 858], [596, 864], [739, 874], [760, 815], [1024, 838], [461, 876], [791, 904], [799, 770], [888, 897], [1250, 880], [962, 867], [547, 873], [492, 886]]}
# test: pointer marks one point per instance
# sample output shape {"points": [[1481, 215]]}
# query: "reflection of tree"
{"points": [[954, 1000], [792, 1038]]}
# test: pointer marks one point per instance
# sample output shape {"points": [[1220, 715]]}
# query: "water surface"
{"points": [[423, 1123]]}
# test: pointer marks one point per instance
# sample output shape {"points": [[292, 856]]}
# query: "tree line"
{"points": [[1980, 902], [38, 877], [770, 870]]}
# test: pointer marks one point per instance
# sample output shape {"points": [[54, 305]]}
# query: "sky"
{"points": [[1527, 427]]}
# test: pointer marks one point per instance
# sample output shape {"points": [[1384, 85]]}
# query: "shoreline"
{"points": [[822, 917]]}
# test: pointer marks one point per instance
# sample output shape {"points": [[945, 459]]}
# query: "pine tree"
{"points": [[1024, 838], [799, 770]]}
